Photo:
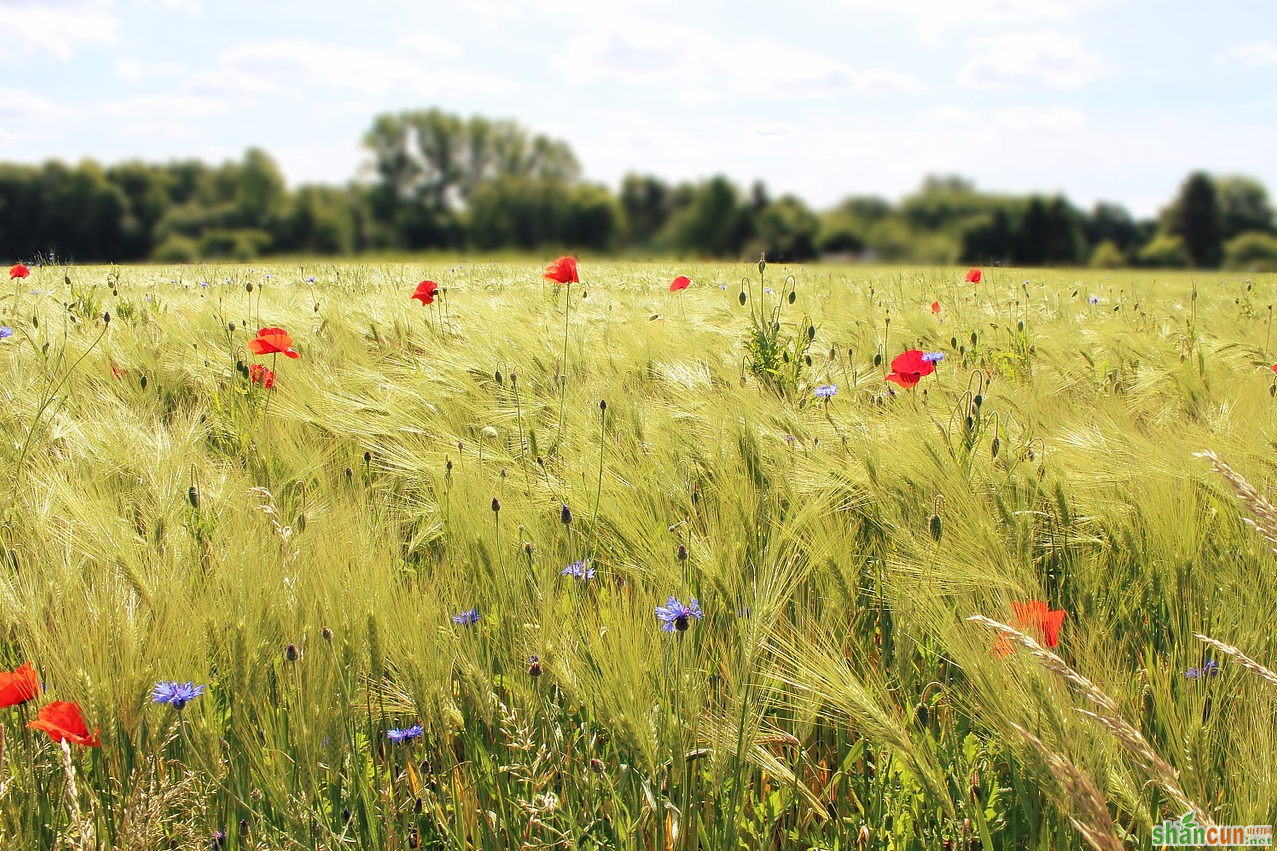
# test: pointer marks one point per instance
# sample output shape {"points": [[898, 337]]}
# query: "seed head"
{"points": [[291, 653]]}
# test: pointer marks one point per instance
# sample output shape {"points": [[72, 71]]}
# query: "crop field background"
{"points": [[385, 539]]}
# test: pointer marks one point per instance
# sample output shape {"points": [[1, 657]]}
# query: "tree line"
{"points": [[437, 181]]}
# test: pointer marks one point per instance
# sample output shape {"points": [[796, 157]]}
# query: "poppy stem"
{"points": [[598, 493], [563, 369]]}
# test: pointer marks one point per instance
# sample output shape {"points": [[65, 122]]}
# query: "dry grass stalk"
{"points": [[1129, 737], [1092, 820], [1242, 659], [1265, 520]]}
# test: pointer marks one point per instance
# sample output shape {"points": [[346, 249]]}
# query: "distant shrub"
{"points": [[1164, 251], [176, 249], [1252, 251], [1107, 256]]}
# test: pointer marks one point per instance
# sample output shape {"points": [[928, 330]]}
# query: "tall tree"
{"points": [[1194, 217]]}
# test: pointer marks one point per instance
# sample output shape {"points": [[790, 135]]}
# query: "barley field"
{"points": [[597, 564]]}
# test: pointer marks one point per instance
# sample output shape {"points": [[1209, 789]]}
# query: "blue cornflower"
{"points": [[580, 569], [407, 734], [203, 285], [827, 391], [311, 279], [466, 618], [932, 357], [1094, 299], [675, 616], [1209, 669], [175, 694], [5, 332]]}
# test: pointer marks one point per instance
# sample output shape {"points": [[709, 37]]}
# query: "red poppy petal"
{"points": [[1051, 627], [18, 686], [904, 379], [63, 720], [680, 283], [911, 361], [562, 271], [974, 276], [935, 307]]}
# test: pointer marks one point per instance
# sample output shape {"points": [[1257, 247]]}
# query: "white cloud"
{"points": [[55, 27], [771, 131], [20, 107], [1252, 55], [132, 71], [700, 64], [1014, 60], [1009, 120], [933, 19]]}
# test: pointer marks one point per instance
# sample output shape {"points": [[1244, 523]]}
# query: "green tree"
{"points": [[787, 230], [713, 222], [647, 203], [1194, 217], [1252, 252], [1243, 206]]}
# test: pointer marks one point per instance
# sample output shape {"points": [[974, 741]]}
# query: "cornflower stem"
{"points": [[563, 371], [598, 493]]}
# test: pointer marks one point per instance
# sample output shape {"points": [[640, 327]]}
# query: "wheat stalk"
{"points": [[1129, 737], [1242, 659], [1093, 820], [1265, 520]]}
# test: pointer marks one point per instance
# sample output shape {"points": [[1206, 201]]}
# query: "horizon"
{"points": [[1090, 99]]}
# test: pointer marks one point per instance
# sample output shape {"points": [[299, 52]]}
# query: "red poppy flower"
{"points": [[1275, 367], [1036, 617], [272, 341], [974, 276], [258, 374], [682, 282], [18, 271], [426, 292], [562, 271], [64, 721], [907, 369], [935, 308], [18, 686]]}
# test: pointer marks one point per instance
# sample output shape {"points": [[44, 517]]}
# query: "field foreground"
{"points": [[424, 570]]}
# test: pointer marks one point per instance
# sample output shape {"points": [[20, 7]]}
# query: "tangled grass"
{"points": [[302, 550]]}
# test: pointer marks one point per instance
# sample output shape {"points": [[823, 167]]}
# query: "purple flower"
{"points": [[826, 391], [175, 694], [5, 332], [407, 734], [580, 569], [932, 357], [675, 616], [466, 618], [1209, 669], [1094, 299]]}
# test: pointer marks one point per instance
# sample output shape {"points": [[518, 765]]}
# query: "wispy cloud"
{"points": [[702, 64], [1041, 58], [1253, 55], [935, 19], [55, 27]]}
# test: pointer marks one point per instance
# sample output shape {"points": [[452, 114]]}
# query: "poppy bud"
{"points": [[514, 379], [534, 666], [807, 360], [496, 505], [497, 376], [793, 296], [1033, 350], [300, 522], [937, 528], [995, 446], [243, 827], [248, 287], [784, 354], [762, 263], [811, 332], [540, 461], [230, 326], [970, 423], [116, 293], [878, 359], [585, 293], [349, 474], [742, 297], [565, 516], [953, 342], [327, 634], [291, 653], [775, 327], [447, 467], [682, 553], [367, 457], [35, 321], [1020, 324], [106, 317], [596, 765], [979, 400], [1272, 390], [193, 497], [528, 548], [142, 381], [602, 404], [974, 338]]}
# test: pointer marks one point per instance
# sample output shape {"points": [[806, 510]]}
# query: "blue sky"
{"points": [[1099, 99]]}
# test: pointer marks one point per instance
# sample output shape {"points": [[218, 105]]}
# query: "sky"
{"points": [[1112, 100]]}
